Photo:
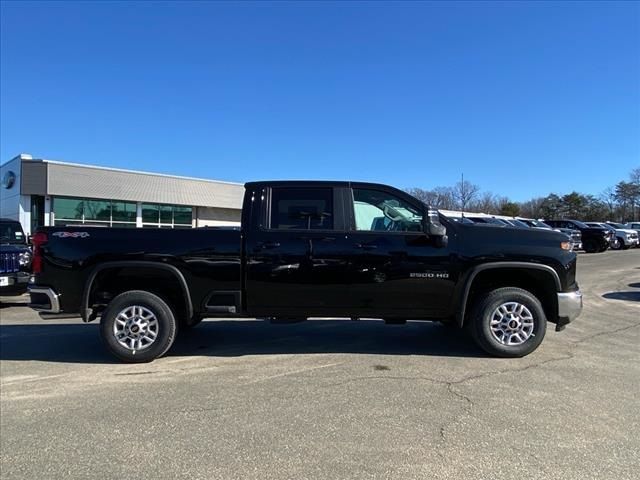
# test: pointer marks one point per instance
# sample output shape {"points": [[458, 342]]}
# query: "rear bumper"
{"points": [[569, 307], [44, 300]]}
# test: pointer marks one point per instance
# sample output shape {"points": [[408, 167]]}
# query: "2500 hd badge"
{"points": [[429, 275]]}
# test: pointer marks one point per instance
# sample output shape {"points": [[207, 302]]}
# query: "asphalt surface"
{"points": [[330, 399]]}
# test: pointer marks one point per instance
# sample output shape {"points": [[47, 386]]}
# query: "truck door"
{"points": [[296, 263], [397, 270]]}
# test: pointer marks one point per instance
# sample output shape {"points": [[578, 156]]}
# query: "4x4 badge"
{"points": [[71, 234]]}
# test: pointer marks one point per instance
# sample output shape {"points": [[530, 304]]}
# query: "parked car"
{"points": [[574, 235], [623, 238], [15, 258], [594, 239], [633, 226], [308, 249]]}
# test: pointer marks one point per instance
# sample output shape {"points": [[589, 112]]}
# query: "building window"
{"points": [[166, 216], [123, 212], [85, 211], [68, 209], [182, 215], [97, 211]]}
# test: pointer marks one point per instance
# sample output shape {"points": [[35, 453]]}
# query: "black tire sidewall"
{"points": [[167, 326], [481, 319], [590, 246]]}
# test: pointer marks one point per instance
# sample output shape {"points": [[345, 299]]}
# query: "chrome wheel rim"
{"points": [[136, 328], [512, 323]]}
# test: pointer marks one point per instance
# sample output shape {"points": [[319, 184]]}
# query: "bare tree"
{"points": [[532, 208], [465, 192], [608, 197], [486, 203]]}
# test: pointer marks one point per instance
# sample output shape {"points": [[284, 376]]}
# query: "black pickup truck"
{"points": [[594, 239], [310, 249]]}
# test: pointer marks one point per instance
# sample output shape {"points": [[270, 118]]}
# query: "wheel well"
{"points": [[110, 282], [539, 282]]}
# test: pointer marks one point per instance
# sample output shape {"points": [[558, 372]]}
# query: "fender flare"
{"points": [[85, 311], [498, 265]]}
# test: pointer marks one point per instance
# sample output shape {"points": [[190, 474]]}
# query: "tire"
{"points": [[142, 321], [590, 246], [617, 244], [530, 324]]}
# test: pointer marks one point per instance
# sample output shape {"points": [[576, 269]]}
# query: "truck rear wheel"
{"points": [[508, 322], [138, 326]]}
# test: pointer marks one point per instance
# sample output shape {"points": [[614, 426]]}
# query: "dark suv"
{"points": [[594, 239], [15, 258]]}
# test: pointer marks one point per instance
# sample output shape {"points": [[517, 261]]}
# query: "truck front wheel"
{"points": [[508, 322], [138, 326]]}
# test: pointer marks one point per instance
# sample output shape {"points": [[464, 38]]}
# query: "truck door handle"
{"points": [[267, 245], [366, 246]]}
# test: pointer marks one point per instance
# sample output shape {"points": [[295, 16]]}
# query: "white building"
{"points": [[43, 192]]}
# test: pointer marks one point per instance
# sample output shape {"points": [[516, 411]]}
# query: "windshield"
{"points": [[617, 225], [493, 221], [580, 224], [518, 223], [538, 223], [11, 232]]}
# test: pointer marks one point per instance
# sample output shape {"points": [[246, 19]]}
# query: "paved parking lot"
{"points": [[330, 399]]}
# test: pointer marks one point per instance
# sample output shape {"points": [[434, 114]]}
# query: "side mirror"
{"points": [[434, 228]]}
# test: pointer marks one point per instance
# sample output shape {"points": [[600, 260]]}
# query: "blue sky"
{"points": [[524, 98]]}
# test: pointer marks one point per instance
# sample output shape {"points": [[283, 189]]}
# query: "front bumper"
{"points": [[569, 308], [14, 281]]}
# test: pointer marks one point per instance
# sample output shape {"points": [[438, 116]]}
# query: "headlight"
{"points": [[568, 246], [24, 259]]}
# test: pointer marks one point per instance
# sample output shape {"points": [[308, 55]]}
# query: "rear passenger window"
{"points": [[302, 208]]}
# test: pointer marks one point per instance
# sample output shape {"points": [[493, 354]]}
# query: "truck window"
{"points": [[302, 208], [381, 211]]}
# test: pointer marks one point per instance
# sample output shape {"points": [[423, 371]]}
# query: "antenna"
{"points": [[462, 196]]}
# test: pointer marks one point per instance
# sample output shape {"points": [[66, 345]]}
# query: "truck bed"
{"points": [[208, 258]]}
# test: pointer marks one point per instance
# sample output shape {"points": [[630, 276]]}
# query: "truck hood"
{"points": [[485, 244]]}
